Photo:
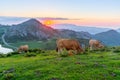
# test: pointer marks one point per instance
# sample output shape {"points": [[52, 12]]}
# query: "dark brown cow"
{"points": [[95, 44], [68, 44], [23, 48]]}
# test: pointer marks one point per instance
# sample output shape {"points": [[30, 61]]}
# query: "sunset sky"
{"points": [[101, 13]]}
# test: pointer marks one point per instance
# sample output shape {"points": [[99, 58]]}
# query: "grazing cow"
{"points": [[68, 44], [23, 48], [95, 44]]}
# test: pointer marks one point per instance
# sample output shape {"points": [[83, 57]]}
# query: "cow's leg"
{"points": [[79, 51], [60, 51], [75, 50], [91, 47], [57, 49], [96, 47]]}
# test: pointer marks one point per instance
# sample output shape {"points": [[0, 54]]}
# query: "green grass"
{"points": [[50, 66]]}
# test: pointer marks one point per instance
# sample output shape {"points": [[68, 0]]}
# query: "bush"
{"points": [[105, 49], [38, 51], [28, 54], [14, 53], [7, 55], [86, 49], [116, 50], [8, 76], [85, 52], [49, 53], [2, 55], [64, 53]]}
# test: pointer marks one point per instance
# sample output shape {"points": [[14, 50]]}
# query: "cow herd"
{"points": [[72, 44], [69, 44]]}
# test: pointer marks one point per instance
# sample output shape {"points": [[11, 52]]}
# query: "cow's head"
{"points": [[101, 46]]}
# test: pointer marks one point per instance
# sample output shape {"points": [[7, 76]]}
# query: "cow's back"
{"points": [[67, 43], [93, 42]]}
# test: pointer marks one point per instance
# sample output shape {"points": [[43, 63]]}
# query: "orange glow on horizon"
{"points": [[48, 22]]}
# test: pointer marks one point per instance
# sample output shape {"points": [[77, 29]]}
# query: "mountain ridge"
{"points": [[34, 30], [110, 38], [91, 30]]}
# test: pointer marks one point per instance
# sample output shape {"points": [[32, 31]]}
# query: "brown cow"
{"points": [[95, 44], [23, 48], [68, 44]]}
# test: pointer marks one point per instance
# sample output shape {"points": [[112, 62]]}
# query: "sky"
{"points": [[99, 13]]}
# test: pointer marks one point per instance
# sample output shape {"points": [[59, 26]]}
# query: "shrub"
{"points": [[71, 52], [28, 54], [105, 49], [85, 52], [14, 53], [38, 51], [8, 76], [86, 49], [49, 52], [7, 55], [64, 53], [2, 55], [116, 50]]}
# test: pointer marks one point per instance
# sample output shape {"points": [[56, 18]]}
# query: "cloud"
{"points": [[50, 18]]}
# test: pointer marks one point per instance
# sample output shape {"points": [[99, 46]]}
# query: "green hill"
{"points": [[48, 65]]}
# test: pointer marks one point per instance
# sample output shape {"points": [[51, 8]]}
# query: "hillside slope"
{"points": [[29, 30], [110, 38]]}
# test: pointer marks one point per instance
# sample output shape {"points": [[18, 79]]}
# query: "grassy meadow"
{"points": [[38, 64]]}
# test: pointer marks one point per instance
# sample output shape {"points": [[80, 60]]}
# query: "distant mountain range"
{"points": [[32, 29], [16, 20], [118, 30], [91, 30]]}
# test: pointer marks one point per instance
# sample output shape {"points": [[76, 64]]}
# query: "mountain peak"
{"points": [[110, 37], [112, 31], [32, 21]]}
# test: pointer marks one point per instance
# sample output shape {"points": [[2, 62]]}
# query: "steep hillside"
{"points": [[29, 30]]}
